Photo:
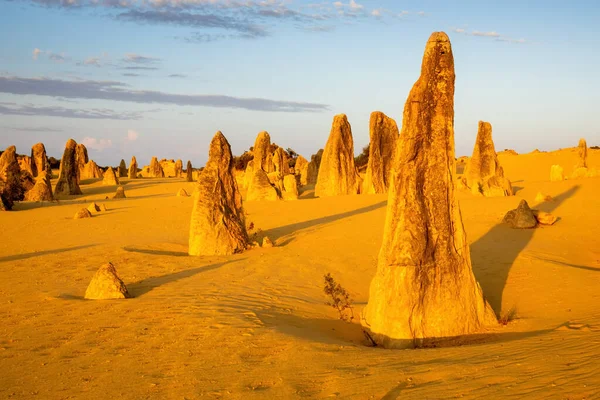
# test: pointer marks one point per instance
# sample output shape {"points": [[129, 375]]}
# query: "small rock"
{"points": [[103, 207], [521, 218], [542, 197], [83, 213], [182, 193], [267, 242], [120, 194], [544, 218], [106, 284], [93, 207]]}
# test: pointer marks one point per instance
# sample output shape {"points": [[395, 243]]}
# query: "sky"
{"points": [[160, 77]]}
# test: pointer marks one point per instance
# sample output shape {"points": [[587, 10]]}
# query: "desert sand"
{"points": [[255, 325]]}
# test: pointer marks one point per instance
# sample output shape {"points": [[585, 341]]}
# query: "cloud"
{"points": [[177, 76], [96, 144], [36, 53], [136, 68], [132, 135], [320, 28], [56, 111], [51, 56], [130, 74], [118, 91], [32, 129], [139, 59], [92, 61], [489, 34]]}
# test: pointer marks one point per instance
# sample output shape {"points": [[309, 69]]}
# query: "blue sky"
{"points": [[160, 77]]}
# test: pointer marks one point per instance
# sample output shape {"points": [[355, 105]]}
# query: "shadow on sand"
{"points": [[17, 257], [156, 252], [288, 230], [498, 249], [144, 286]]}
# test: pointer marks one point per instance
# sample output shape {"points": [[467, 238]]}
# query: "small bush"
{"points": [[339, 298], [508, 316]]}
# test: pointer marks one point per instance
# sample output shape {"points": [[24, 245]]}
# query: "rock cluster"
{"points": [[156, 170]]}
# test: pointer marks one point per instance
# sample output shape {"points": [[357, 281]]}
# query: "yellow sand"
{"points": [[255, 326]]}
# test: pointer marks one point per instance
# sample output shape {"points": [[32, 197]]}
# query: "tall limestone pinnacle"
{"points": [[337, 172], [68, 183], [424, 288], [383, 133], [483, 173], [217, 225]]}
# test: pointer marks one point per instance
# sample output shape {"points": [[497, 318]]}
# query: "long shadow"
{"points": [[281, 231], [564, 264], [144, 286], [156, 252], [504, 244], [43, 253]]}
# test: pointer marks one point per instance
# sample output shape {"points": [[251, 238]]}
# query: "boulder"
{"points": [[110, 178], [133, 167], [83, 213], [39, 160], [383, 133], [93, 207], [168, 167], [68, 182], [106, 285], [217, 225], [521, 218], [267, 242], [483, 173], [337, 173], [91, 170], [424, 289], [42, 190]]}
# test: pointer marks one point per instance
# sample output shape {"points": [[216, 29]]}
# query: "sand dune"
{"points": [[255, 326]]}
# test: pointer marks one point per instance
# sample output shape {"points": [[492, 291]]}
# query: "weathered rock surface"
{"points": [[132, 173], [280, 162], [10, 178], [81, 158], [39, 160], [383, 133], [556, 173], [120, 193], [424, 288], [483, 173], [25, 164], [521, 218], [156, 170], [83, 213], [122, 169], [189, 173], [106, 285], [93, 207], [260, 188], [266, 243], [68, 183], [217, 225], [178, 169], [290, 187], [42, 190], [301, 169], [91, 170], [110, 178], [337, 173], [262, 156], [27, 180]]}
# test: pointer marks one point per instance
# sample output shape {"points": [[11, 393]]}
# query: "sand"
{"points": [[255, 326]]}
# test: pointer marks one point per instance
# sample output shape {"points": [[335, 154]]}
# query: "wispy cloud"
{"points": [[177, 76], [118, 91], [130, 74], [488, 34], [133, 58], [31, 129], [132, 136], [56, 57], [56, 111]]}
